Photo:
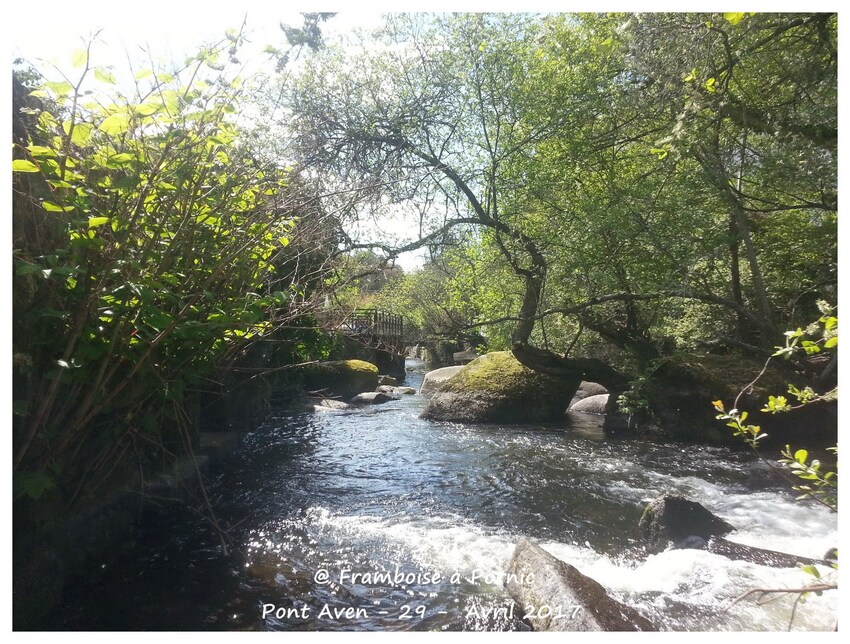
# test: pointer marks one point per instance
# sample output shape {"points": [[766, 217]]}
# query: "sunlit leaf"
{"points": [[22, 165], [81, 134], [49, 206], [60, 88], [120, 159], [104, 75], [115, 124], [79, 58], [41, 151]]}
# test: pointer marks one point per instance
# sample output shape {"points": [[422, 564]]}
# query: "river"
{"points": [[377, 520]]}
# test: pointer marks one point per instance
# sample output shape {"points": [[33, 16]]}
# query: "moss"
{"points": [[497, 373], [683, 387], [344, 378], [722, 377], [497, 388], [360, 366]]}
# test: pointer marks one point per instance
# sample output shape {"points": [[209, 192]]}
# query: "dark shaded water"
{"points": [[377, 520]]}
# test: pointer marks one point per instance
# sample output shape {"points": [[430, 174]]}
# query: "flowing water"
{"points": [[377, 520]]}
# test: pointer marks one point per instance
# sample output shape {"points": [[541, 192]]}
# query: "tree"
{"points": [[598, 168]]}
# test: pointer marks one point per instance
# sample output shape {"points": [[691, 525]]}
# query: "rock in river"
{"points": [[671, 518], [497, 388], [371, 398], [343, 378], [586, 389], [596, 404], [557, 597], [435, 378]]}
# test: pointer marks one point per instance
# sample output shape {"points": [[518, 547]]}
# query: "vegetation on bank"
{"points": [[157, 254], [605, 191]]}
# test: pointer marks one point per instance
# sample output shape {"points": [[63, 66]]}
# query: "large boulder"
{"points": [[586, 389], [597, 404], [435, 378], [343, 378], [497, 388], [675, 522], [683, 386], [557, 597], [672, 519]]}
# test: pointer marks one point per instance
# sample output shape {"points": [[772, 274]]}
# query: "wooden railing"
{"points": [[379, 329]]}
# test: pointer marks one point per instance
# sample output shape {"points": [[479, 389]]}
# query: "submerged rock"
{"points": [[435, 378], [389, 389], [557, 597], [674, 519], [761, 556], [497, 388], [329, 404], [371, 398], [674, 522]]}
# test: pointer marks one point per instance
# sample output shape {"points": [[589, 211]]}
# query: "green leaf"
{"points": [[81, 136], [831, 342], [142, 74], [115, 124], [41, 151], [27, 269], [147, 109], [60, 88], [94, 222], [104, 75], [605, 47], [49, 206], [31, 484], [120, 159], [79, 58], [22, 165], [734, 17], [801, 455]]}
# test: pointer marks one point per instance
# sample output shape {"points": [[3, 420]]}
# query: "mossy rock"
{"points": [[497, 388], [682, 389], [343, 378]]}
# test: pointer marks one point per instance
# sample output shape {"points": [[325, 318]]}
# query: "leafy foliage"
{"points": [[821, 485], [152, 251]]}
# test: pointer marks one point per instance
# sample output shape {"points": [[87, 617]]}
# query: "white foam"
{"points": [[706, 582]]}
